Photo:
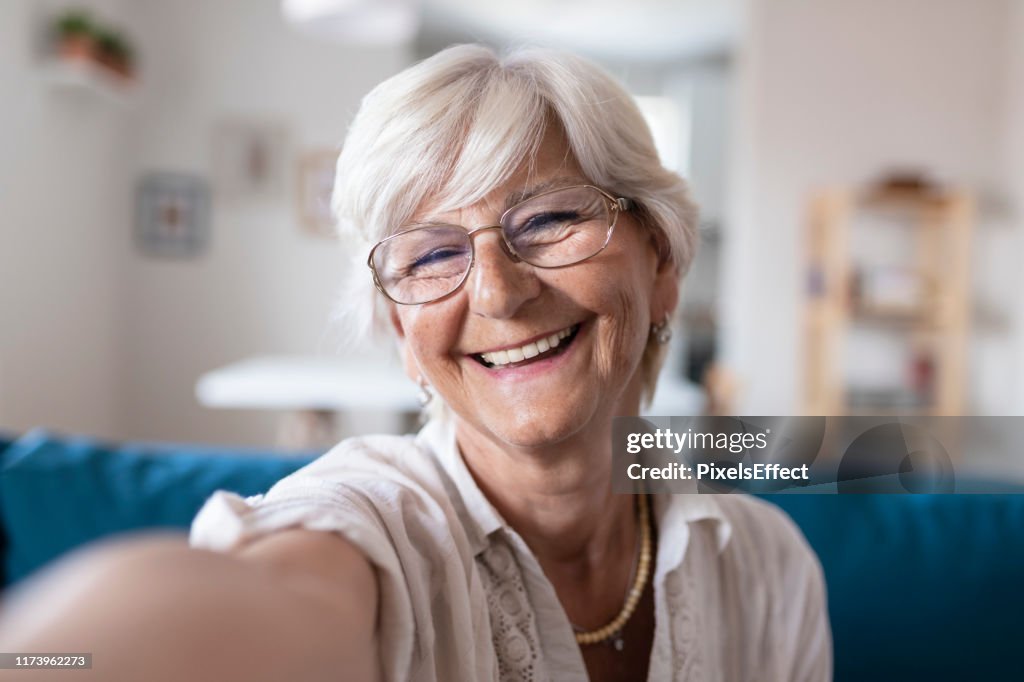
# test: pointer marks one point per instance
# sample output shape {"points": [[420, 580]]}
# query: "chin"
{"points": [[532, 427]]}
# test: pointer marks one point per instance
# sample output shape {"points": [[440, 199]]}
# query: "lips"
{"points": [[544, 347]]}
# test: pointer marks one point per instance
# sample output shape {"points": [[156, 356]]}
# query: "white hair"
{"points": [[457, 125]]}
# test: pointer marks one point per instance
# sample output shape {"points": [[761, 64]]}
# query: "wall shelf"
{"points": [[86, 77]]}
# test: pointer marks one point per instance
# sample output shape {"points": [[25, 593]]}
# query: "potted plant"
{"points": [[75, 41], [114, 52]]}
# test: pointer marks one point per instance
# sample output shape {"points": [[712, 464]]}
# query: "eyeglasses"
{"points": [[552, 229]]}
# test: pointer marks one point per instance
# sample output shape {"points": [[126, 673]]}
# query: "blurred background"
{"points": [[167, 270]]}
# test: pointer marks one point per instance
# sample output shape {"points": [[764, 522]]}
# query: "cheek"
{"points": [[618, 294], [626, 331], [430, 331]]}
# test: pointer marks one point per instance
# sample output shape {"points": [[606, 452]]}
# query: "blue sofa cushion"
{"points": [[58, 492], [6, 439], [921, 587]]}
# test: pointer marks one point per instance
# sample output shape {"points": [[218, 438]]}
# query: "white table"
{"points": [[314, 389], [308, 383]]}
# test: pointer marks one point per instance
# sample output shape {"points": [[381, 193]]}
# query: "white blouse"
{"points": [[738, 593]]}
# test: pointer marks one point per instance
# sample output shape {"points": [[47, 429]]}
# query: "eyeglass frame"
{"points": [[617, 205]]}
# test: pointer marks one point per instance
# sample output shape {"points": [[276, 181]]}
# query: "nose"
{"points": [[500, 283]]}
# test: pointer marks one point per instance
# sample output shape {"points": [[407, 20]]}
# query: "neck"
{"points": [[561, 504], [559, 499]]}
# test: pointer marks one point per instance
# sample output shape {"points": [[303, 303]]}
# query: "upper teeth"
{"points": [[504, 357]]}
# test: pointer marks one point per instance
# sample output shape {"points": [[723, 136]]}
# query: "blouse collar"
{"points": [[674, 513]]}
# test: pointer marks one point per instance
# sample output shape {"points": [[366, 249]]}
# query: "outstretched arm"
{"points": [[297, 604]]}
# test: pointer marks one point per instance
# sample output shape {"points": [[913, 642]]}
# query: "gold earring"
{"points": [[662, 332]]}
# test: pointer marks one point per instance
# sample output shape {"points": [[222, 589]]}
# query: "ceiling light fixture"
{"points": [[367, 22]]}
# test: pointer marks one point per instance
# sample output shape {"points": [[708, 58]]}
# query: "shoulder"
{"points": [[776, 563], [369, 488], [370, 466], [782, 583], [376, 452], [767, 543], [396, 484], [756, 521]]}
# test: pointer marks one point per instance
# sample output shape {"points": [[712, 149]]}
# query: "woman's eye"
{"points": [[434, 257], [548, 220]]}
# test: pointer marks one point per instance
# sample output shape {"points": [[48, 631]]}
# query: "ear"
{"points": [[666, 290], [412, 368], [662, 247], [665, 296]]}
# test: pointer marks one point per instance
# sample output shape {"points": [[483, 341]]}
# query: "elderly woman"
{"points": [[525, 249]]}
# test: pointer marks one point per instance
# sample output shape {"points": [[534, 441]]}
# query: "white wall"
{"points": [[263, 286], [710, 84], [62, 220], [836, 92], [1014, 170], [96, 337]]}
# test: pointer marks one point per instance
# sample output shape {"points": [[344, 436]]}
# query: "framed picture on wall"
{"points": [[315, 184], [172, 214], [250, 159]]}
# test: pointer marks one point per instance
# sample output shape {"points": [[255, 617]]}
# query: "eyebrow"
{"points": [[533, 190], [513, 198]]}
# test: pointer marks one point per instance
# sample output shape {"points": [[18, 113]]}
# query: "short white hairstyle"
{"points": [[452, 128]]}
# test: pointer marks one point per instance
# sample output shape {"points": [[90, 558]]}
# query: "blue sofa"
{"points": [[927, 587]]}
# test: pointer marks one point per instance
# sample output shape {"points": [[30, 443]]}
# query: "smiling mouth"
{"points": [[544, 348]]}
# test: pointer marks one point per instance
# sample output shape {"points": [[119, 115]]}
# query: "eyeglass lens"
{"points": [[550, 230]]}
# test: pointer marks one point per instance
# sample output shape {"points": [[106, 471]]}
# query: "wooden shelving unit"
{"points": [[932, 326]]}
